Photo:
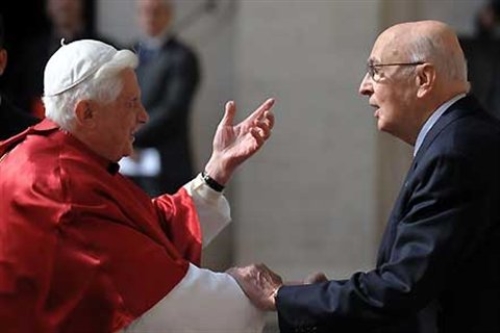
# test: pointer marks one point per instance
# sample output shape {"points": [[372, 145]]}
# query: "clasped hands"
{"points": [[261, 284]]}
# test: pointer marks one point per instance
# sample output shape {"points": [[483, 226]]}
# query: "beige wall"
{"points": [[308, 198]]}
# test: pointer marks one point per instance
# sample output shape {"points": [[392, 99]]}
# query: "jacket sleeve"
{"points": [[445, 215], [203, 301]]}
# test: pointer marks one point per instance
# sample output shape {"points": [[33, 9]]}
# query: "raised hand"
{"points": [[234, 144]]}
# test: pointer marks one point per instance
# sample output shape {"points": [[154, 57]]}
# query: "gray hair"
{"points": [[451, 65], [103, 86]]}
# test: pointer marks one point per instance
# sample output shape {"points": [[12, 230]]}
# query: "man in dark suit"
{"points": [[12, 119], [438, 266], [169, 76]]}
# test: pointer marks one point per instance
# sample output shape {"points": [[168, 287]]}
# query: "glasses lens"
{"points": [[372, 71], [369, 69]]}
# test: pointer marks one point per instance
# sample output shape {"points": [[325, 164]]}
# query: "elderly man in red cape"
{"points": [[82, 249]]}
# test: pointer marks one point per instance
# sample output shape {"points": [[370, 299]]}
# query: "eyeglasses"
{"points": [[374, 73]]}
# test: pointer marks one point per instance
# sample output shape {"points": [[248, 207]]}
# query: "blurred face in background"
{"points": [[154, 16], [65, 14]]}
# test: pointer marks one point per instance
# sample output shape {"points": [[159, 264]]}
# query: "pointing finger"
{"points": [[267, 105]]}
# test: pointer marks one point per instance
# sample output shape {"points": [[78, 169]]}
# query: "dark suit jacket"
{"points": [[168, 82], [12, 119], [438, 267]]}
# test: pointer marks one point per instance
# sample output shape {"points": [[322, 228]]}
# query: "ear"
{"points": [[426, 78], [85, 114], [3, 60]]}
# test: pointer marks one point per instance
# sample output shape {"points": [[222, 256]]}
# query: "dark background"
{"points": [[21, 22]]}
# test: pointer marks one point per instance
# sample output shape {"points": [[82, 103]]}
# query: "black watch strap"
{"points": [[212, 183]]}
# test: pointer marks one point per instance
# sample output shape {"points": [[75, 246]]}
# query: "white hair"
{"points": [[103, 86], [451, 65]]}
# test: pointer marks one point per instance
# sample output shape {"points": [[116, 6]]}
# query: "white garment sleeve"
{"points": [[212, 207], [203, 302]]}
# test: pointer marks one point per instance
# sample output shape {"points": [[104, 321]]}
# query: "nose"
{"points": [[366, 86], [142, 116]]}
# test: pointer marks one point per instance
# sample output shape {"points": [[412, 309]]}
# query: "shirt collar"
{"points": [[432, 120], [155, 43]]}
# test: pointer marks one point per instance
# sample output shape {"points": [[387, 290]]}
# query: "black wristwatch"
{"points": [[212, 183]]}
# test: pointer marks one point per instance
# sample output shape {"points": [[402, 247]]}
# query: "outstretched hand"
{"points": [[234, 144], [259, 283]]}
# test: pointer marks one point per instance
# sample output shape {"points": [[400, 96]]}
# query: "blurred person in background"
{"points": [[482, 51], [169, 76], [69, 21], [12, 119]]}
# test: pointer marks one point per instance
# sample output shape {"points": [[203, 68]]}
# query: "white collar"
{"points": [[156, 42]]}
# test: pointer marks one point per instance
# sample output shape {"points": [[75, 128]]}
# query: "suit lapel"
{"points": [[459, 109]]}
